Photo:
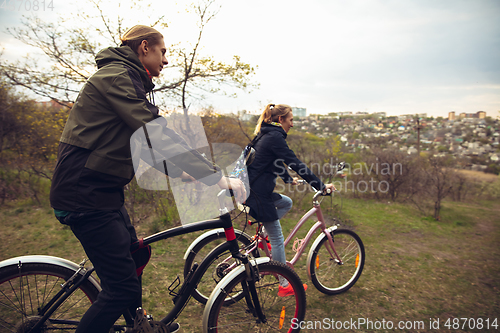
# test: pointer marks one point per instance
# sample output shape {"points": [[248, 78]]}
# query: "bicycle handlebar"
{"points": [[340, 167]]}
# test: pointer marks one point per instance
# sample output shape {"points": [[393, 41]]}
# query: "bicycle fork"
{"points": [[331, 248], [250, 291]]}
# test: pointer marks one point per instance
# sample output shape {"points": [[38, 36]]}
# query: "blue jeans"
{"points": [[273, 229]]}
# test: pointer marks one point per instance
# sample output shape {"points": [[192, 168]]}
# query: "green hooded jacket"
{"points": [[94, 160], [111, 107]]}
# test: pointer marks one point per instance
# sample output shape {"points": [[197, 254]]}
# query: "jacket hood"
{"points": [[125, 55], [266, 128]]}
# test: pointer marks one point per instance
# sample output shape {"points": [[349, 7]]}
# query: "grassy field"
{"points": [[479, 175], [417, 270]]}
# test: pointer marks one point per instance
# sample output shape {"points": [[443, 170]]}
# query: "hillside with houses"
{"points": [[471, 138]]}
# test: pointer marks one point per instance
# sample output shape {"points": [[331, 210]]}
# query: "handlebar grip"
{"points": [[326, 193]]}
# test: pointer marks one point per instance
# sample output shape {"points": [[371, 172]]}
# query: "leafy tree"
{"points": [[493, 168], [29, 134], [443, 149], [227, 129], [69, 46]]}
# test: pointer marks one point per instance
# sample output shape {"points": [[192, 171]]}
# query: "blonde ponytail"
{"points": [[271, 113], [135, 35]]}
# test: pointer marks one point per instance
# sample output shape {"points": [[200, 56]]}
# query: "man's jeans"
{"points": [[106, 237]]}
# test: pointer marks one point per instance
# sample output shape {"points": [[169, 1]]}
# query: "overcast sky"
{"points": [[400, 56]]}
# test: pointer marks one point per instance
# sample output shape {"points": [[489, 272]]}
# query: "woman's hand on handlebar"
{"points": [[329, 188], [236, 185]]}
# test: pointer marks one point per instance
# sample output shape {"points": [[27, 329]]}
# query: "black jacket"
{"points": [[272, 152]]}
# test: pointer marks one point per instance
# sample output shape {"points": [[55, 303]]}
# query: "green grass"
{"points": [[416, 268]]}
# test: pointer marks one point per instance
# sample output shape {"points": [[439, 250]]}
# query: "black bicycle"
{"points": [[44, 293]]}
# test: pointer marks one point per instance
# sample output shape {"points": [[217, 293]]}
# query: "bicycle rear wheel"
{"points": [[283, 314], [24, 292], [329, 275]]}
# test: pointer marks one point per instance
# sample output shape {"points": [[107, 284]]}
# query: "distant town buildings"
{"points": [[412, 116], [463, 115]]}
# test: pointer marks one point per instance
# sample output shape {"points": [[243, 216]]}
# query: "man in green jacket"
{"points": [[94, 164]]}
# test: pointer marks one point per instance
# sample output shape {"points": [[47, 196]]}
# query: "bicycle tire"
{"points": [[327, 275], [23, 292], [236, 318], [216, 270]]}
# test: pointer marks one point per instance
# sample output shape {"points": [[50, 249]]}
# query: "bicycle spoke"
{"points": [[29, 293], [24, 294], [18, 309], [10, 327], [70, 307]]}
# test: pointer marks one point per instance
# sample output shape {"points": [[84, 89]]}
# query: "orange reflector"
{"points": [[357, 260], [317, 261], [282, 318]]}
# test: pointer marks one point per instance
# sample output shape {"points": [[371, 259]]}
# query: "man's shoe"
{"points": [[143, 324], [261, 245], [288, 290]]}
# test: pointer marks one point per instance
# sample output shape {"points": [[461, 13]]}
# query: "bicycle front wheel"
{"points": [[283, 314], [218, 268], [327, 273], [24, 293]]}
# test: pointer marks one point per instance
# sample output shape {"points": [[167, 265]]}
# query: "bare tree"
{"points": [[396, 174], [440, 181], [70, 45]]}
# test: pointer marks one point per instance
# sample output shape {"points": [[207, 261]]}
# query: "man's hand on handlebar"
{"points": [[236, 186]]}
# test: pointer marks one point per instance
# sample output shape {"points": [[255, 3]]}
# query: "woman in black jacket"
{"points": [[272, 153]]}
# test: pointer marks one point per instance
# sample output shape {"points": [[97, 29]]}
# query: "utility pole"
{"points": [[418, 135]]}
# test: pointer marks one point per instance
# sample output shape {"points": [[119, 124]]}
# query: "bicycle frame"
{"points": [[318, 225], [191, 281], [194, 277], [180, 300], [321, 224]]}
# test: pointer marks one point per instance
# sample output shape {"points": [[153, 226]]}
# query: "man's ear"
{"points": [[143, 47]]}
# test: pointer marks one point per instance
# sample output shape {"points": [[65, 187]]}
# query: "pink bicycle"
{"points": [[334, 263]]}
